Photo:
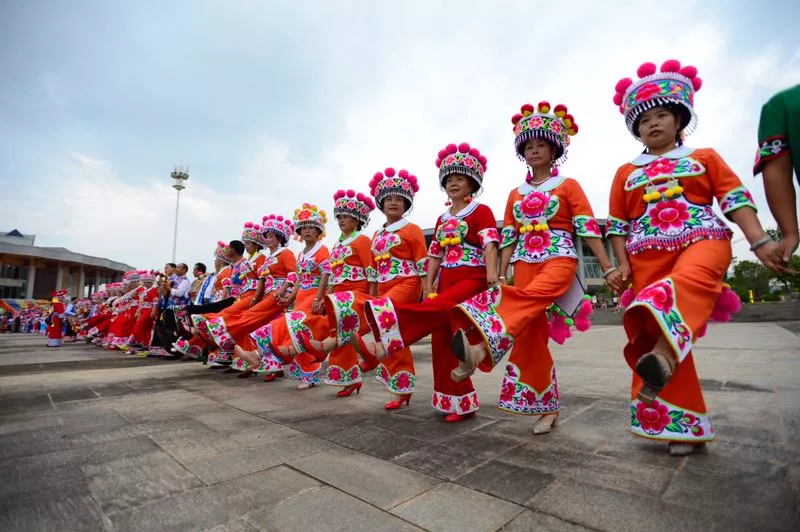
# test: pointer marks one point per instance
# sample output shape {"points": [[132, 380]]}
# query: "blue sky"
{"points": [[276, 103]]}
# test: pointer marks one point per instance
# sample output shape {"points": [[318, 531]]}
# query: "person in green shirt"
{"points": [[778, 154]]}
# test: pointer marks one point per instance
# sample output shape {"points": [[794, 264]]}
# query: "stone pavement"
{"points": [[93, 440]]}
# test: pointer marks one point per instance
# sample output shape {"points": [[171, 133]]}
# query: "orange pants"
{"points": [[347, 309], [513, 319], [343, 369], [675, 294]]}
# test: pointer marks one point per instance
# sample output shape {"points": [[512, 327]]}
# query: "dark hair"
{"points": [[558, 151], [406, 203], [172, 265], [184, 266], [678, 111], [200, 266], [237, 246]]}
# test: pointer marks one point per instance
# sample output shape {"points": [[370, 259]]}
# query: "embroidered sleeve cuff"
{"points": [[435, 250], [508, 236], [422, 267], [291, 278], [488, 236], [586, 227], [617, 227], [325, 267], [769, 149], [372, 274], [736, 199]]}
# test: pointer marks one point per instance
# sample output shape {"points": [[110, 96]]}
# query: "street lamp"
{"points": [[179, 175]]}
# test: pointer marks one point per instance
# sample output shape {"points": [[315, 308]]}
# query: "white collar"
{"points": [[347, 241], [396, 226], [546, 186], [311, 252], [463, 213], [678, 153], [277, 252]]}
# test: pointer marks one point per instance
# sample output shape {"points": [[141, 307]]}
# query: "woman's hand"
{"points": [[317, 306], [771, 256]]}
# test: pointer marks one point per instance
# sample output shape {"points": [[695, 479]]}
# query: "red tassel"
{"points": [[448, 203]]}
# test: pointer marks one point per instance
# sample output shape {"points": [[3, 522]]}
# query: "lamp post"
{"points": [[179, 175]]}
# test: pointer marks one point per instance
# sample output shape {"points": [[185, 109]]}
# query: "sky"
{"points": [[272, 104]]}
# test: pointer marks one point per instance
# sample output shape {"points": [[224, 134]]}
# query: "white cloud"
{"points": [[438, 76]]}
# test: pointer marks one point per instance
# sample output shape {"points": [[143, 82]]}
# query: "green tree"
{"points": [[750, 275]]}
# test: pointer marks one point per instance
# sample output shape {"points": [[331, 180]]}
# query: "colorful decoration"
{"points": [[393, 183], [461, 159], [350, 203], [252, 233], [276, 224], [539, 123], [310, 216]]}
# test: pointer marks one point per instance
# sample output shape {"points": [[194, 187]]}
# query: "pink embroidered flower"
{"points": [[435, 400], [669, 214], [529, 397], [353, 373], [450, 225], [405, 269], [335, 374], [507, 393], [533, 204], [449, 160], [481, 301], [536, 122], [385, 266], [338, 270], [653, 418], [496, 326], [647, 91], [351, 204], [465, 403], [592, 227], [394, 346], [436, 249], [384, 374], [537, 242], [296, 316], [386, 320], [659, 295], [403, 381], [660, 167], [555, 127], [454, 254], [504, 344], [511, 372], [548, 397], [343, 297], [469, 162], [349, 323], [445, 403]]}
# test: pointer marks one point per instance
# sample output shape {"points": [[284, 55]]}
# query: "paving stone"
{"points": [[245, 460], [63, 508], [215, 505], [375, 481], [372, 441], [325, 509], [513, 483], [28, 442], [78, 394], [529, 520], [196, 442], [113, 390], [452, 507], [33, 403]]}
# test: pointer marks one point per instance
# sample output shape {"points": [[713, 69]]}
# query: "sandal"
{"points": [[655, 369]]}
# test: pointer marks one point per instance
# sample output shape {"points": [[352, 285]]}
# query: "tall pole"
{"points": [[175, 235]]}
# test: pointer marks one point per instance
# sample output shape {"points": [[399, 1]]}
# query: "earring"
{"points": [[468, 199], [448, 203]]}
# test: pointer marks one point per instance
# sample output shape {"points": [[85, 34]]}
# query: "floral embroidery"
{"points": [[663, 421], [388, 329], [435, 250], [586, 227], [536, 205], [617, 227], [402, 382], [296, 323], [481, 310], [736, 199], [660, 299], [239, 365], [219, 333], [455, 404], [539, 246], [384, 242], [220, 357], [338, 376], [521, 398], [674, 224], [663, 169], [508, 236], [347, 319], [488, 236], [769, 149], [671, 88], [451, 236], [306, 377]]}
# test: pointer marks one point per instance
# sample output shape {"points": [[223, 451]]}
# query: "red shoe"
{"points": [[269, 377], [455, 418], [368, 359], [347, 392], [319, 355], [394, 405]]}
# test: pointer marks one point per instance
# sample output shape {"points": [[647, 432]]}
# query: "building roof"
{"points": [[62, 255]]}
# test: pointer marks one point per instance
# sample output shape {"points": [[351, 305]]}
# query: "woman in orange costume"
{"points": [[351, 263], [55, 335], [220, 295], [542, 218], [398, 264], [144, 316], [676, 250], [272, 285], [462, 260], [244, 284], [283, 338]]}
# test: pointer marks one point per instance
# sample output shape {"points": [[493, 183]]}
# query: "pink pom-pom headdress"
{"points": [[671, 84], [279, 226], [223, 252], [539, 122], [310, 216], [252, 233], [354, 204], [131, 277], [461, 159], [393, 183]]}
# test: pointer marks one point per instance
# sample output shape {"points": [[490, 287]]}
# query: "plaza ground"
{"points": [[94, 440]]}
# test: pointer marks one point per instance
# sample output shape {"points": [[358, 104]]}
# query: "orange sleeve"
{"points": [[509, 234], [584, 223], [726, 185], [419, 252], [618, 223], [289, 261], [363, 248]]}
